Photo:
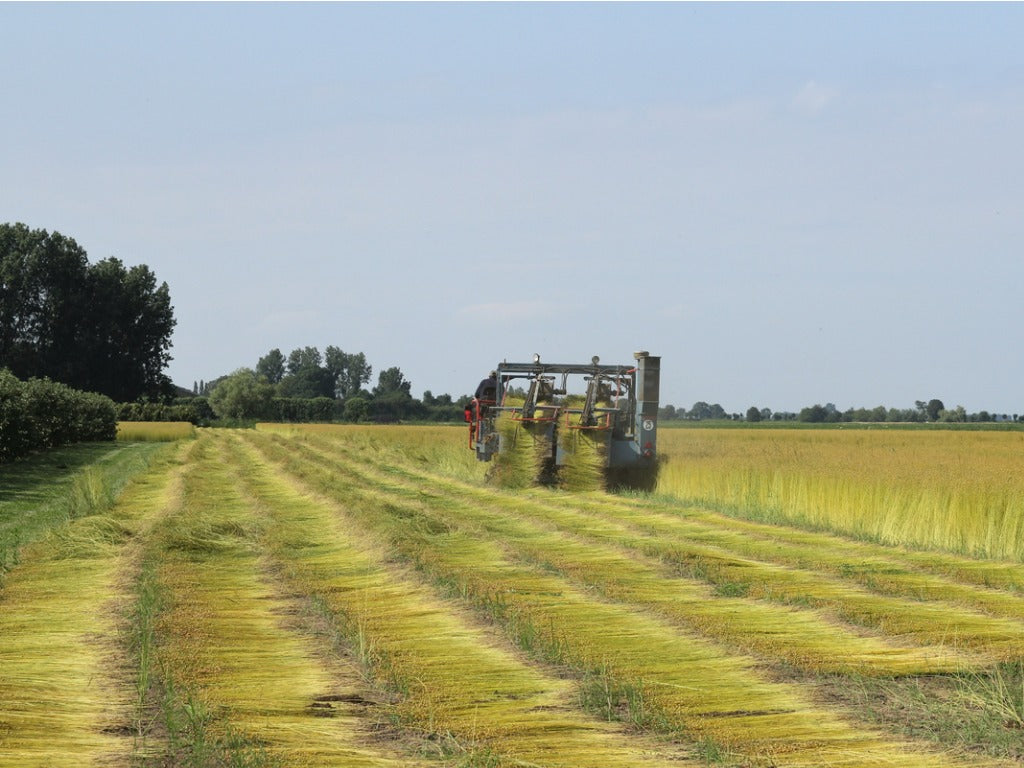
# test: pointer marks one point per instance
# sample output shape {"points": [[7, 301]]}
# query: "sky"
{"points": [[789, 203]]}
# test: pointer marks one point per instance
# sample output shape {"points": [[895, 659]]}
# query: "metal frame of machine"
{"points": [[620, 402]]}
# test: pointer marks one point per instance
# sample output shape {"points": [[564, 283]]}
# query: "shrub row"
{"points": [[195, 410], [40, 413]]}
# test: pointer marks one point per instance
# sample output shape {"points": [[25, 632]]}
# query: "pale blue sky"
{"points": [[789, 203]]}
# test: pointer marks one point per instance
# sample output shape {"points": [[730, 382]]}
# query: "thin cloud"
{"points": [[814, 97]]}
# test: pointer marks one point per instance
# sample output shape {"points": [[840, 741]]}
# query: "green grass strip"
{"points": [[62, 484]]}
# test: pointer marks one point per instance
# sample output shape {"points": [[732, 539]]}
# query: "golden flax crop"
{"points": [[960, 492], [155, 431]]}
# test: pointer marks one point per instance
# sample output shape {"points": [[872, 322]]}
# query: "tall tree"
{"points": [[304, 357], [271, 365], [392, 382], [102, 328], [349, 371], [42, 302], [129, 340], [242, 395], [392, 399], [306, 376]]}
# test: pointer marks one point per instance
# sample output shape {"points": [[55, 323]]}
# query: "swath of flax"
{"points": [[886, 570], [525, 448], [224, 638], [723, 557], [155, 431], [438, 449], [701, 549], [799, 637], [453, 678], [690, 684], [62, 702], [585, 452]]}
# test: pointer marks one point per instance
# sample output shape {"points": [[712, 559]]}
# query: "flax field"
{"points": [[328, 595]]}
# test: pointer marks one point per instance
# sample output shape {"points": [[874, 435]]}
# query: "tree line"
{"points": [[930, 411], [310, 386]]}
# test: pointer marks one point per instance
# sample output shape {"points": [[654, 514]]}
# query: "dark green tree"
{"points": [[356, 408], [304, 357], [128, 341], [102, 328], [392, 399], [753, 414], [42, 302], [271, 365], [700, 410], [306, 377], [349, 371], [391, 382]]}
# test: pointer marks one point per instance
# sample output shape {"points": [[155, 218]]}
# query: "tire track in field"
{"points": [[682, 679], [230, 650], [66, 693]]}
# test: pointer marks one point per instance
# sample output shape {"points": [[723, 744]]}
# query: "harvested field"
{"points": [[358, 596]]}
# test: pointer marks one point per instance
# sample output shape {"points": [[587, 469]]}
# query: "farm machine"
{"points": [[604, 435]]}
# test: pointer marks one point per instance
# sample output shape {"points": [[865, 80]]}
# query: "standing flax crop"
{"points": [[960, 492]]}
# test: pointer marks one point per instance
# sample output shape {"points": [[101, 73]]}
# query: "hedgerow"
{"points": [[40, 413]]}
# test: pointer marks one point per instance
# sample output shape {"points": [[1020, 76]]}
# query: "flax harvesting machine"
{"points": [[610, 424]]}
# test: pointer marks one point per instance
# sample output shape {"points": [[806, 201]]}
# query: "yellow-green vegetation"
{"points": [[53, 487], [585, 456], [242, 675], [538, 529], [673, 678], [451, 676], [956, 491], [64, 697], [363, 596], [155, 431], [525, 454]]}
